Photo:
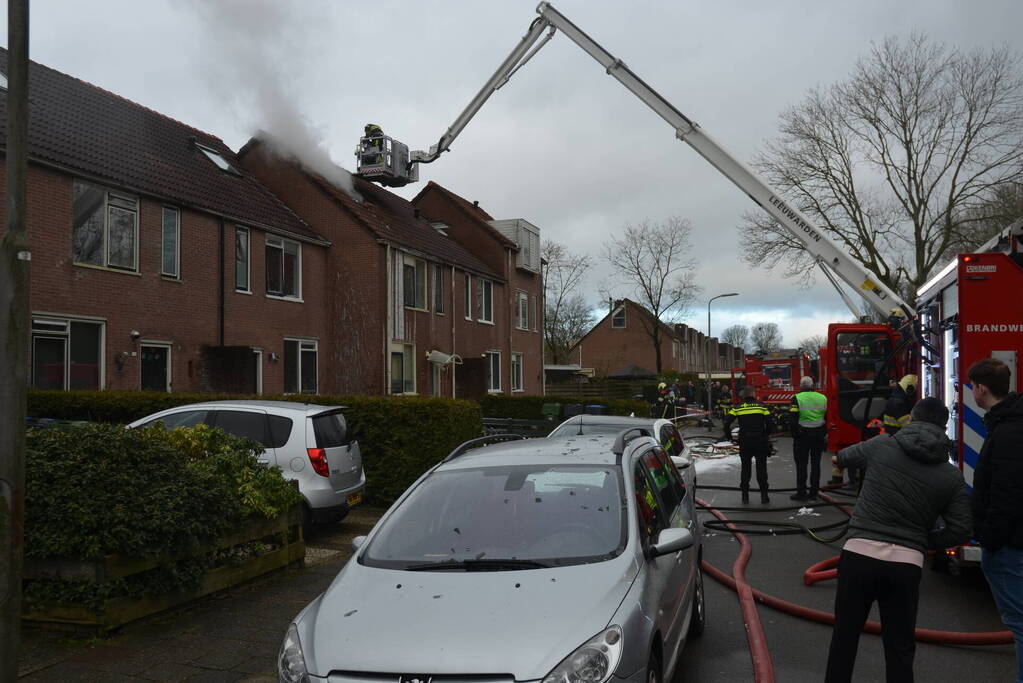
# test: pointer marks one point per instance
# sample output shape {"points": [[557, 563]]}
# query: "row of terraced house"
{"points": [[162, 260]]}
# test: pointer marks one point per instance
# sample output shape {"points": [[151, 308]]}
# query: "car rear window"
{"points": [[329, 430]]}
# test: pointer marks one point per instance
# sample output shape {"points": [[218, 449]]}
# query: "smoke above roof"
{"points": [[255, 57]]}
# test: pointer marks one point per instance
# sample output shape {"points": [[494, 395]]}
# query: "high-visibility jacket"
{"points": [[807, 410], [754, 421]]}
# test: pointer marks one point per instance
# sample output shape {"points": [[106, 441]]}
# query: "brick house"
{"points": [[621, 339], [417, 304], [157, 263]]}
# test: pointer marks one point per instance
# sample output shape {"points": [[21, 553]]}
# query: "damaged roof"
{"points": [[471, 210], [392, 219], [84, 130]]}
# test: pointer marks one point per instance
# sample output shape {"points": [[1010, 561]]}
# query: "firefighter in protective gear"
{"points": [[899, 405], [755, 425], [809, 438], [665, 402], [370, 146]]}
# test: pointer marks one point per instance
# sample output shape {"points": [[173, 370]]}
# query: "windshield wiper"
{"points": [[480, 565]]}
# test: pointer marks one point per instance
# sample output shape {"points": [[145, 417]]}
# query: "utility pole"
{"points": [[14, 262]]}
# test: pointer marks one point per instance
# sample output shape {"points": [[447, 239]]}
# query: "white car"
{"points": [[309, 443]]}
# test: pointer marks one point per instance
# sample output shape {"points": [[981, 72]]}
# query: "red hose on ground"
{"points": [[822, 570], [763, 667]]}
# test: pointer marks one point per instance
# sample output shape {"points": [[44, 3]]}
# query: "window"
{"points": [[468, 296], [493, 370], [534, 312], [104, 227], [243, 424], [414, 282], [438, 289], [528, 239], [651, 521], [241, 259], [67, 354], [484, 300], [516, 372], [171, 243], [185, 418], [217, 158], [330, 430], [522, 311], [300, 366], [618, 318], [403, 369], [283, 267]]}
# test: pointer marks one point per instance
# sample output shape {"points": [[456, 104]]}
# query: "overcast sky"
{"points": [[562, 145]]}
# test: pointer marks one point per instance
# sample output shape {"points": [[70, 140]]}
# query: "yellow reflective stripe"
{"points": [[890, 421], [750, 411]]}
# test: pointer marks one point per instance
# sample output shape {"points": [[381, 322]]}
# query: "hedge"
{"points": [[531, 407], [99, 489], [400, 437]]}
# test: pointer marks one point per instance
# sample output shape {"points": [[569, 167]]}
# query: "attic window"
{"points": [[440, 227], [215, 156]]}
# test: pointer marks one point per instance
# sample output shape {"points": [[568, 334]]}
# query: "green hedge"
{"points": [[99, 489], [399, 437], [531, 407]]}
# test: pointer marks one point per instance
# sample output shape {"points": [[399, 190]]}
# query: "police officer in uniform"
{"points": [[754, 427], [809, 437]]}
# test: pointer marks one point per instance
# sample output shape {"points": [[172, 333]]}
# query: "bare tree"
{"points": [[736, 335], [890, 161], [765, 337], [567, 316], [811, 346], [991, 217], [651, 259]]}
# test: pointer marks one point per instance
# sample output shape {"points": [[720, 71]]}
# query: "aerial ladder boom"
{"points": [[825, 252]]}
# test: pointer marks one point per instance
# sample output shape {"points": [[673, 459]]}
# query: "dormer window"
{"points": [[218, 159]]}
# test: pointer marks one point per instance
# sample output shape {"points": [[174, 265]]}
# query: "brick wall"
{"points": [[180, 313]]}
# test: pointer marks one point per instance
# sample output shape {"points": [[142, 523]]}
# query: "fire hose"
{"points": [[763, 668]]}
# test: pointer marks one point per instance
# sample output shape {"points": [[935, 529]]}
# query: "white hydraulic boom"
{"points": [[825, 252]]}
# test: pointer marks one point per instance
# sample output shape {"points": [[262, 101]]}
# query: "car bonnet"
{"points": [[521, 623]]}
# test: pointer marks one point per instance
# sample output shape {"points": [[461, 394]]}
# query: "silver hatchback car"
{"points": [[573, 559], [309, 443]]}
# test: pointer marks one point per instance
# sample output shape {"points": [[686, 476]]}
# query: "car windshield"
{"points": [[550, 515]]}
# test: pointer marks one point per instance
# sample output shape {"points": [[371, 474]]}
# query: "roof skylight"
{"points": [[215, 156]]}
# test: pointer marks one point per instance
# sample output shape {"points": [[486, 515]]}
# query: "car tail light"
{"points": [[318, 457]]}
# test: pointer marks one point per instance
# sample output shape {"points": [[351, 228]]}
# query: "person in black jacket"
{"points": [[900, 402], [909, 483], [754, 427], [998, 493]]}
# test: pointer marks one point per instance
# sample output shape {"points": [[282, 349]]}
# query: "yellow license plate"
{"points": [[354, 498]]}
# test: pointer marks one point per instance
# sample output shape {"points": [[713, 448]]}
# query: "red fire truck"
{"points": [[775, 377]]}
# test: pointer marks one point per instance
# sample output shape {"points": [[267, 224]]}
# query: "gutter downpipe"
{"points": [[221, 299]]}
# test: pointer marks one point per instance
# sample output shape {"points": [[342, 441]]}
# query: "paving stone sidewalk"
{"points": [[233, 636]]}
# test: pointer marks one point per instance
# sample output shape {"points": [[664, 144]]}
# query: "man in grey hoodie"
{"points": [[909, 484]]}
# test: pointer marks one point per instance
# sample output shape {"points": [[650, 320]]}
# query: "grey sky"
{"points": [[562, 145]]}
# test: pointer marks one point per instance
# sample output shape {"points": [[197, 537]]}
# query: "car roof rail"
{"points": [[482, 441], [624, 438]]}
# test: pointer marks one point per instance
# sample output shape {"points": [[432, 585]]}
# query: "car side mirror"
{"points": [[357, 543], [671, 541]]}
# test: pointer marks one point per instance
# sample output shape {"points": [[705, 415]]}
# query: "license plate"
{"points": [[970, 553], [354, 498]]}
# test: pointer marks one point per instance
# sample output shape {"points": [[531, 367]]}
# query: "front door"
{"points": [[155, 368]]}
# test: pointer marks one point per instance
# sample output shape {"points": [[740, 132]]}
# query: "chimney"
{"points": [[476, 203]]}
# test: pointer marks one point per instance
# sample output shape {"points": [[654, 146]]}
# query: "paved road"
{"points": [[235, 637]]}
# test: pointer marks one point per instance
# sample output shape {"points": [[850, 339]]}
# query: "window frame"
{"points": [[408, 374], [521, 310], [420, 283], [614, 318], [438, 289], [304, 344], [176, 275], [281, 243], [109, 198], [484, 300], [238, 231], [61, 328], [517, 372], [468, 296], [493, 357]]}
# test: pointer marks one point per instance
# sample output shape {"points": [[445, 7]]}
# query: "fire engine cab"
{"points": [[775, 377]]}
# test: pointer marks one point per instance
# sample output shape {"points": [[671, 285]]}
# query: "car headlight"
{"points": [[291, 661], [592, 662]]}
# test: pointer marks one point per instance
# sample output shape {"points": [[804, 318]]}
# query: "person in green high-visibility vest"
{"points": [[809, 438]]}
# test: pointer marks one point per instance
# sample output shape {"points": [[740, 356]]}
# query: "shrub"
{"points": [[100, 489]]}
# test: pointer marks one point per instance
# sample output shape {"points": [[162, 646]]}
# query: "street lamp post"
{"points": [[710, 407]]}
